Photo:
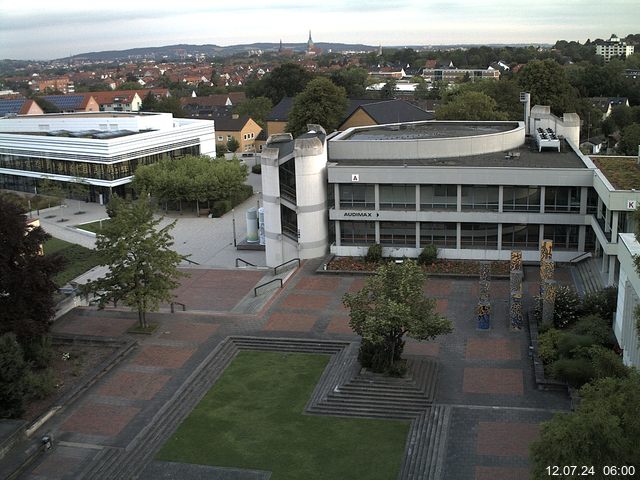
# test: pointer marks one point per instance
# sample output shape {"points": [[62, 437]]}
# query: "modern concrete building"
{"points": [[614, 47], [100, 149], [625, 324]]}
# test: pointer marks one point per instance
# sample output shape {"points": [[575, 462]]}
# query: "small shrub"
{"points": [[374, 254], [548, 345], [569, 343], [257, 169], [40, 384], [220, 207], [38, 351], [607, 363], [428, 255], [595, 327], [567, 307], [575, 371], [602, 303]]}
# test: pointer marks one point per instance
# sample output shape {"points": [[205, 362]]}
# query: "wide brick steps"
{"points": [[426, 445]]}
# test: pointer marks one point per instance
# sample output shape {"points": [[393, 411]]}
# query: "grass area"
{"points": [[253, 418], [623, 173], [22, 200], [78, 259], [93, 226]]}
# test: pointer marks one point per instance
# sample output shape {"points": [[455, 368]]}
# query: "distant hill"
{"points": [[181, 50]]}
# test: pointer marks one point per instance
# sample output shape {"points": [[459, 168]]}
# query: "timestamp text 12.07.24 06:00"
{"points": [[570, 471]]}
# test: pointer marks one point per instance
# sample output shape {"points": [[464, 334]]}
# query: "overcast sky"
{"points": [[36, 29]]}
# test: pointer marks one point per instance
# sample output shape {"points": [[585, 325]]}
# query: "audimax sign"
{"points": [[361, 214]]}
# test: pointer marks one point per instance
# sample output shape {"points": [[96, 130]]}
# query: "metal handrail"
{"points": [[184, 307], [255, 290], [244, 261], [580, 257], [190, 261], [275, 269]]}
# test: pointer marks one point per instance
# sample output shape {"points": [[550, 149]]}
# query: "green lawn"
{"points": [[79, 259], [93, 226], [253, 418]]}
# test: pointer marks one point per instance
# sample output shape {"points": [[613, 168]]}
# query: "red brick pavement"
{"points": [[339, 324], [188, 331], [442, 304], [215, 290], [94, 325], [492, 349], [325, 284], [290, 322], [308, 302], [501, 473], [496, 381], [134, 385], [357, 284], [429, 349], [98, 419], [505, 439], [163, 356]]}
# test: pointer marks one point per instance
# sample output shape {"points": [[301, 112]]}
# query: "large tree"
{"points": [[604, 429], [322, 103], [26, 276], [548, 84], [470, 106], [143, 268], [257, 108], [391, 305], [352, 79], [630, 140], [287, 80]]}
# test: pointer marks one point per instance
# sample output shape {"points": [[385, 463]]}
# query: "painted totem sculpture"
{"points": [[515, 284], [483, 309]]}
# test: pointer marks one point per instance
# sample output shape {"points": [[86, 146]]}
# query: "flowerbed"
{"points": [[443, 266]]}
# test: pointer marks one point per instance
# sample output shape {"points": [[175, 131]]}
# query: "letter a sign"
{"points": [[355, 177]]}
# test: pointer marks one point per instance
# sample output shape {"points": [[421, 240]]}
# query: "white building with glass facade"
{"points": [[101, 149]]}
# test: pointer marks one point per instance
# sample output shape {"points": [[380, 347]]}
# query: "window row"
{"points": [[472, 235], [473, 197]]}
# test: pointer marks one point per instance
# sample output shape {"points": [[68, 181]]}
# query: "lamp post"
{"points": [[233, 224]]}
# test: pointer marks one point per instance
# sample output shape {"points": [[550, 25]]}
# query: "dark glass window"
{"points": [[398, 234], [289, 220], [479, 235], [480, 197], [439, 234], [357, 233], [562, 199], [398, 197], [564, 237], [357, 196], [438, 197], [520, 236], [521, 199]]}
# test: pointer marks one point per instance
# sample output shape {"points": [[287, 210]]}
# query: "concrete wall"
{"points": [[624, 325], [274, 249]]}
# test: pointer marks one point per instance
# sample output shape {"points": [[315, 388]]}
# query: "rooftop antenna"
{"points": [[525, 98]]}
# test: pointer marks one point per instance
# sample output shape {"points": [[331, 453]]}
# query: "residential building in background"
{"points": [[614, 47]]}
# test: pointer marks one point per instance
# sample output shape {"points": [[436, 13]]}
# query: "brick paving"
{"points": [[99, 419], [485, 377], [134, 385], [495, 381], [493, 349], [505, 439], [163, 356]]}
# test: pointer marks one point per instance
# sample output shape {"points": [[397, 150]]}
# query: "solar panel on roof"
{"points": [[10, 106], [65, 102]]}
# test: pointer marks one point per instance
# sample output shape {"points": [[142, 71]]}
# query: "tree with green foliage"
{"points": [[26, 276], [548, 84], [603, 430], [287, 80], [391, 305], [170, 105], [257, 108], [13, 374], [353, 79], [388, 90], [233, 145], [470, 106], [505, 92], [322, 103], [629, 140], [149, 103], [143, 268]]}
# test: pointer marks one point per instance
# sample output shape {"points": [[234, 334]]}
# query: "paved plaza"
{"points": [[485, 377]]}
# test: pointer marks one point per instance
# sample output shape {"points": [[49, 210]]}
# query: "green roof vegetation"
{"points": [[622, 172]]}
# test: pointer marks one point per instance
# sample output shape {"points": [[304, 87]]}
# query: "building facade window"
{"points": [[564, 237], [289, 220], [520, 236], [357, 196], [521, 199], [357, 233], [479, 235], [398, 197], [398, 234], [287, 173], [438, 197], [480, 197], [592, 201], [440, 234], [562, 200]]}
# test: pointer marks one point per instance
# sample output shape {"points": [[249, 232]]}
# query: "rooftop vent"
{"points": [[547, 138]]}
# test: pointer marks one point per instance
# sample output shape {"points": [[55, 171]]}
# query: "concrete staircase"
{"points": [[588, 277], [343, 390], [426, 446]]}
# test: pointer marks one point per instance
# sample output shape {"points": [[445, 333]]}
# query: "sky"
{"points": [[44, 30]]}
